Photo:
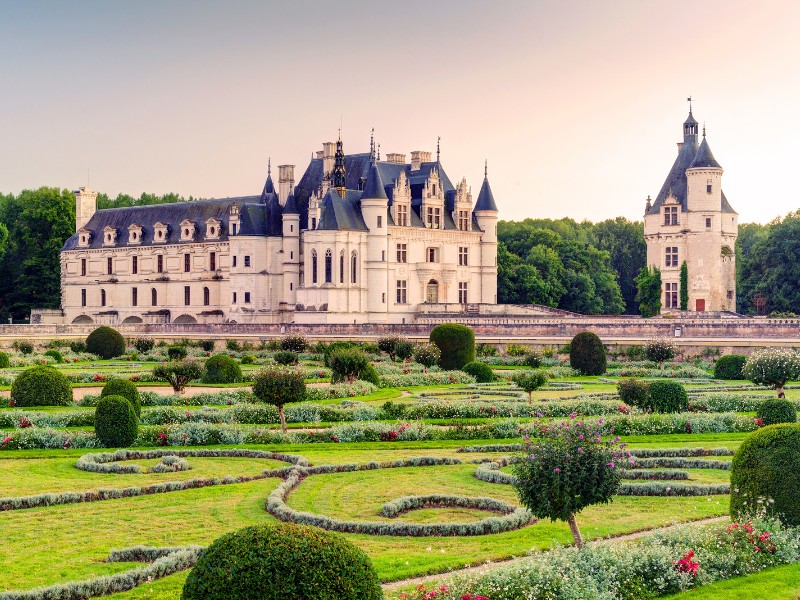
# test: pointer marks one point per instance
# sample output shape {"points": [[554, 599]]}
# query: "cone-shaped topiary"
{"points": [[127, 389], [221, 368], [766, 468], [115, 422], [41, 386], [105, 342], [587, 354], [456, 343], [282, 562]]}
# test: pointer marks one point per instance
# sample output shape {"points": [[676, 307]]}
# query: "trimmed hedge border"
{"points": [[400, 506], [680, 463]]}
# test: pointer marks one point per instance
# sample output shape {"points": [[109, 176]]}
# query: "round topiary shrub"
{"points": [[587, 354], [667, 397], [730, 367], [279, 386], [106, 343], [5, 362], [480, 371], [177, 352], [766, 467], [775, 410], [55, 355], [634, 392], [370, 375], [285, 357], [125, 388], [115, 422], [41, 386], [283, 561], [456, 344], [221, 368]]}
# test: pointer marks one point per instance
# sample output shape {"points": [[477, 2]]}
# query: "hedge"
{"points": [[666, 397], [456, 344], [127, 389], [730, 367]]}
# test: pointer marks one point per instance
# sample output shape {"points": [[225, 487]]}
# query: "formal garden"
{"points": [[444, 470]]}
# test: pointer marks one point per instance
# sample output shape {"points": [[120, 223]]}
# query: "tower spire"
{"points": [[438, 141], [372, 145], [689, 100], [339, 171], [269, 166], [486, 169]]}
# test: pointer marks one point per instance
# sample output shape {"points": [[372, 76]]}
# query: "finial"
{"points": [[379, 150], [486, 169], [372, 145], [689, 100], [704, 129], [269, 166], [438, 140]]}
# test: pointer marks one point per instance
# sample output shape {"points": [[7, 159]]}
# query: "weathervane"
{"points": [[689, 100]]}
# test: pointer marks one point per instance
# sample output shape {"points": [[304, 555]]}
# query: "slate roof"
{"points": [[341, 213], [373, 188], [290, 208], [704, 157], [485, 197]]}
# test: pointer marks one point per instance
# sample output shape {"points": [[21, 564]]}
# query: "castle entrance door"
{"points": [[432, 292], [701, 305]]}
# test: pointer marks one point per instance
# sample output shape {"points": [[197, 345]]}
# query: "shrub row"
{"points": [[681, 463], [657, 474], [399, 506]]}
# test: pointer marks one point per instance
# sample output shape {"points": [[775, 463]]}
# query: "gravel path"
{"points": [[491, 566]]}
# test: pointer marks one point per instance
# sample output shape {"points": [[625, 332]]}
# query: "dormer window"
{"points": [[109, 236], [188, 230], [84, 237], [670, 215], [134, 234], [160, 232], [213, 228]]}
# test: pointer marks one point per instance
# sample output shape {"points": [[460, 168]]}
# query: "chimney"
{"points": [[85, 206], [680, 145], [396, 158], [416, 159], [328, 154], [320, 153], [285, 182]]}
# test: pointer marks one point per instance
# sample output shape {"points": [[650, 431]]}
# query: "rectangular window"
{"points": [[234, 261], [383, 255], [709, 186], [247, 297], [383, 298], [402, 287], [433, 218], [708, 222], [160, 263], [153, 297], [246, 261], [234, 297], [135, 265], [234, 229], [291, 255], [463, 256], [402, 215], [134, 296], [730, 294], [187, 295], [402, 253], [463, 220], [291, 286], [380, 221], [431, 255], [462, 292], [83, 297], [672, 256], [187, 263], [110, 265], [671, 295], [671, 215], [212, 261], [313, 223], [83, 268]]}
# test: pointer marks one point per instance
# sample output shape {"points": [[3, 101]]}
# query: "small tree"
{"points": [[530, 381], [684, 291], [568, 467], [427, 355], [648, 295], [773, 367], [178, 373], [279, 386], [403, 349], [294, 343], [388, 344], [659, 350]]}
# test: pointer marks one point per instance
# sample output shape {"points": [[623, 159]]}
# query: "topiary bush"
{"points": [[178, 373], [41, 386], [347, 364], [659, 350], [766, 467], [282, 561], [127, 389], [480, 371], [294, 343], [370, 375], [5, 362], [285, 357], [279, 386], [105, 342], [427, 354], [775, 410], [143, 345], [667, 397], [403, 349], [730, 367], [773, 367], [633, 392], [177, 352], [221, 368], [331, 348], [587, 354], [115, 422], [456, 344], [530, 381], [55, 355]]}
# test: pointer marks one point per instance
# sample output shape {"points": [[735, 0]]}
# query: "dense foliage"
{"points": [[773, 367], [587, 354], [684, 286], [294, 343], [41, 386], [765, 474], [127, 389], [633, 392], [105, 342], [143, 345], [776, 410], [221, 368], [347, 363], [115, 422], [666, 397], [403, 349], [730, 366], [282, 562], [177, 352], [648, 294], [427, 354], [5, 362], [55, 355], [530, 381], [456, 344], [659, 350], [480, 371], [279, 386], [285, 357], [331, 348], [178, 374], [387, 344]]}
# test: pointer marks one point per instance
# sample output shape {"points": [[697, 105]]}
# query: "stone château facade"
{"points": [[691, 220], [357, 240]]}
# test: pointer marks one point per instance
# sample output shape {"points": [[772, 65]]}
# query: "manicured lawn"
{"points": [[778, 583]]}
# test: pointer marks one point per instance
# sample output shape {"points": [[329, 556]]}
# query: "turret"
{"points": [[269, 187], [704, 180], [85, 206], [485, 212], [291, 249], [374, 209]]}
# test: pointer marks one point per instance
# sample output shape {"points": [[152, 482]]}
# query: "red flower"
{"points": [[687, 564]]}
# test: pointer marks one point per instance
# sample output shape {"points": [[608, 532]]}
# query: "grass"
{"points": [[778, 583]]}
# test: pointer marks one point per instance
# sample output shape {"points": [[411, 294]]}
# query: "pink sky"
{"points": [[576, 105]]}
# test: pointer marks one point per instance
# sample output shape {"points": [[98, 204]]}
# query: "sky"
{"points": [[577, 105]]}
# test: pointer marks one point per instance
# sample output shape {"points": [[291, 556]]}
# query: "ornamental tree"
{"points": [[773, 367], [530, 381], [178, 373], [684, 291], [279, 386], [566, 467], [648, 295]]}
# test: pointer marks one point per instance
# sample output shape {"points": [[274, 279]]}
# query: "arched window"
{"points": [[432, 292], [102, 297], [313, 266], [353, 267], [206, 296], [153, 297], [328, 266], [341, 267]]}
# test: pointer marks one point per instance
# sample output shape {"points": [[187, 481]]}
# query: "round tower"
{"points": [[485, 212], [291, 249], [374, 209]]}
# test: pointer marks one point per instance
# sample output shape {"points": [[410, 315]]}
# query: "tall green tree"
{"points": [[684, 291], [624, 242], [648, 283]]}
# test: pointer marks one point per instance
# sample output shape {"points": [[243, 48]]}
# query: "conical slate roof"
{"points": [[690, 120], [290, 208], [373, 188], [485, 197], [704, 157]]}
